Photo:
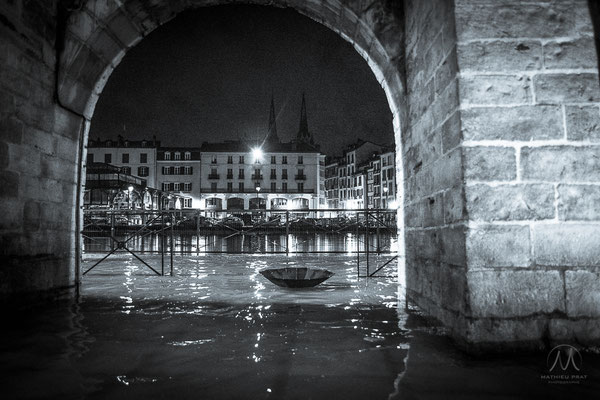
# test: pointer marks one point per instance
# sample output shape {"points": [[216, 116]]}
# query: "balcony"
{"points": [[284, 176], [273, 176], [257, 177], [229, 176], [300, 177], [213, 176]]}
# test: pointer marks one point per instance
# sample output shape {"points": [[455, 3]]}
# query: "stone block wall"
{"points": [[435, 218], [39, 154], [530, 122]]}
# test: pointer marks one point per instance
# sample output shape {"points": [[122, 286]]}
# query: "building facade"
{"points": [[178, 172], [262, 175], [332, 190], [136, 158], [364, 177]]}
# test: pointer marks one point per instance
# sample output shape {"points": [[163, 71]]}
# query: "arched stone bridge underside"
{"points": [[496, 116]]}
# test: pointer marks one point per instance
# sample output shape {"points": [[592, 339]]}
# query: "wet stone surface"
{"points": [[218, 329]]}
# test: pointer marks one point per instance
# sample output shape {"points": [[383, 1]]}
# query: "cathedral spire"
{"points": [[272, 133], [303, 135]]}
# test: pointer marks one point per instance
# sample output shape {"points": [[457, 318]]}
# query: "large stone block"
{"points": [[571, 53], [446, 103], [9, 182], [495, 89], [447, 171], [490, 163], [510, 294], [446, 72], [453, 288], [25, 160], [41, 141], [508, 202], [513, 123], [583, 293], [105, 46], [500, 56], [413, 215], [11, 129], [87, 67], [11, 210], [578, 202], [498, 331], [424, 244], [579, 331], [566, 88], [75, 95], [491, 246], [583, 123], [31, 215], [124, 29], [454, 205], [451, 132], [561, 163], [453, 246], [514, 19], [66, 148], [433, 56], [433, 210], [566, 245]]}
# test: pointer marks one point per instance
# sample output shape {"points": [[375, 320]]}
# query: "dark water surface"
{"points": [[219, 330]]}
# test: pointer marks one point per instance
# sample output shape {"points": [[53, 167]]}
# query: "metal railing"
{"points": [[122, 227]]}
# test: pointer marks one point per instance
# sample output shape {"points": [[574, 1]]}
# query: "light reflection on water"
{"points": [[236, 279], [248, 243], [218, 329]]}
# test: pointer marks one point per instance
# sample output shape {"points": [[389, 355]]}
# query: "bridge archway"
{"points": [[495, 117]]}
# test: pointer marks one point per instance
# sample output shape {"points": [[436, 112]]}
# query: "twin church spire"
{"points": [[303, 135]]}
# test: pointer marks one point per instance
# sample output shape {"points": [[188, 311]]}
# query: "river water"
{"points": [[248, 243], [218, 329]]}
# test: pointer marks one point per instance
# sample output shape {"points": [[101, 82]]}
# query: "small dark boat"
{"points": [[296, 277]]}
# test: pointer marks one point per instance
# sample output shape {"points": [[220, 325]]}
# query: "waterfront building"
{"points": [[267, 175], [178, 172], [332, 191], [388, 179], [351, 181], [111, 187], [365, 174], [136, 158]]}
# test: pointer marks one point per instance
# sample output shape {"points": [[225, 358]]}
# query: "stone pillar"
{"points": [[435, 219], [530, 118], [501, 149]]}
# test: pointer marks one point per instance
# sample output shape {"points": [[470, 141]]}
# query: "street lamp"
{"points": [[130, 190], [257, 154]]}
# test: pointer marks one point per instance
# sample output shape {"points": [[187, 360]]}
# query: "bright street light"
{"points": [[257, 154]]}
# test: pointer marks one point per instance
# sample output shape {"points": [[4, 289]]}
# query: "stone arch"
{"points": [[100, 32]]}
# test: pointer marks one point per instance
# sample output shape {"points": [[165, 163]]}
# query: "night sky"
{"points": [[208, 75]]}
